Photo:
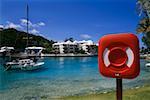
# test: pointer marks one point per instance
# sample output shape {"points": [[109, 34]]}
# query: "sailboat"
{"points": [[28, 63]]}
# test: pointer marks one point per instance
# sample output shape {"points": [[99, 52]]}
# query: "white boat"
{"points": [[147, 64], [24, 64], [32, 66], [5, 48], [5, 51], [27, 64]]}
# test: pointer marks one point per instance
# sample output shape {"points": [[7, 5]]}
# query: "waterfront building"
{"points": [[65, 47], [70, 47], [74, 47], [87, 46]]}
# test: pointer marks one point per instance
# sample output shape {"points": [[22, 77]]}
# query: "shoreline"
{"points": [[139, 92], [136, 93], [142, 56], [54, 55], [69, 55]]}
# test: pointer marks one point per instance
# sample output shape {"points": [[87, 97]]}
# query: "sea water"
{"points": [[62, 76]]}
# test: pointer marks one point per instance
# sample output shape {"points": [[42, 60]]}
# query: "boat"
{"points": [[32, 66], [31, 51], [31, 60], [6, 51], [24, 64], [147, 65], [34, 51], [147, 61]]}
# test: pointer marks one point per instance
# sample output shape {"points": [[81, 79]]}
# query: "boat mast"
{"points": [[27, 25]]}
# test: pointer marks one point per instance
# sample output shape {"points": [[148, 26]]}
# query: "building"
{"points": [[70, 47], [89, 47], [65, 47]]}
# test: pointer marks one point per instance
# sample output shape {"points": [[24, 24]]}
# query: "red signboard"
{"points": [[118, 56]]}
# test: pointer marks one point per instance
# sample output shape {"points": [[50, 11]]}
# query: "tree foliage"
{"points": [[18, 40], [69, 39], [143, 8]]}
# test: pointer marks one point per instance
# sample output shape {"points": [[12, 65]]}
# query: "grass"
{"points": [[142, 93]]}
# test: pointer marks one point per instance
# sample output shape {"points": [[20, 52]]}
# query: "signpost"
{"points": [[118, 57], [119, 89]]}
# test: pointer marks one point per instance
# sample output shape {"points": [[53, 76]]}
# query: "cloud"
{"points": [[1, 26], [22, 26], [34, 31], [41, 24], [85, 36], [12, 25], [24, 23]]}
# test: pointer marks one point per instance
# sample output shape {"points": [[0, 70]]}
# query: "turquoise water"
{"points": [[62, 76]]}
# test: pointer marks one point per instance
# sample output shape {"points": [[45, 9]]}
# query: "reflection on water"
{"points": [[61, 76]]}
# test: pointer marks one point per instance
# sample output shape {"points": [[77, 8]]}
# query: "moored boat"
{"points": [[27, 63], [24, 64]]}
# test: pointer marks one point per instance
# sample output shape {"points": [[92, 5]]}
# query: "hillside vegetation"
{"points": [[18, 39]]}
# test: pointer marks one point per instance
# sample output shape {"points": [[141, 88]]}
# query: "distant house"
{"points": [[74, 47], [87, 46], [65, 47]]}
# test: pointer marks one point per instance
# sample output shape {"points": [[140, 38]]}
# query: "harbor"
{"points": [[62, 77], [74, 50], [29, 55]]}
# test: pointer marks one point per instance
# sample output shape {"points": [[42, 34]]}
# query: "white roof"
{"points": [[58, 43], [88, 42], [2, 51], [34, 48], [8, 48], [67, 42]]}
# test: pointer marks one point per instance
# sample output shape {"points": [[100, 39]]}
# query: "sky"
{"points": [[80, 19]]}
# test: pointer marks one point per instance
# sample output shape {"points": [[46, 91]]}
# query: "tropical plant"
{"points": [[69, 39], [143, 9]]}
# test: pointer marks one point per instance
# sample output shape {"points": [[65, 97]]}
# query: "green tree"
{"points": [[18, 39], [69, 39], [143, 9]]}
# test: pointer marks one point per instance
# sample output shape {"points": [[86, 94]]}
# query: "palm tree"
{"points": [[143, 6], [143, 9], [69, 39]]}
